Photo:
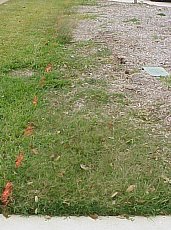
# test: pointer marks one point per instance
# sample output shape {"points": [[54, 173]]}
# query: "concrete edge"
{"points": [[85, 223]]}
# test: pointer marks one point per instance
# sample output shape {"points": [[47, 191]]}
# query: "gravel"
{"points": [[139, 35]]}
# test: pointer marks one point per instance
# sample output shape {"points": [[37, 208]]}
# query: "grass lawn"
{"points": [[83, 154]]}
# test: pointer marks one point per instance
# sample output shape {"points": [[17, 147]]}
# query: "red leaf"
{"points": [[35, 100], [6, 193], [42, 82], [29, 130], [48, 68], [19, 160]]}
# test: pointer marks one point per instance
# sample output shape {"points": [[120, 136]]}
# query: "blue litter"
{"points": [[156, 71]]}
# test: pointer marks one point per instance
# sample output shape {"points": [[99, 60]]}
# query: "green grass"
{"points": [[77, 121], [167, 81]]}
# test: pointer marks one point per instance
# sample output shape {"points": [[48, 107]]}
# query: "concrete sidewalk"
{"points": [[84, 223]]}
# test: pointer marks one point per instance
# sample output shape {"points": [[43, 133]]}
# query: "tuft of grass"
{"points": [[94, 95], [88, 2], [167, 81], [87, 16]]}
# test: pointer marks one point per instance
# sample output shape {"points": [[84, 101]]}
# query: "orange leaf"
{"points": [[94, 216], [131, 188], [110, 125], [48, 68], [19, 160], [35, 100], [34, 151], [29, 130], [6, 193], [42, 81]]}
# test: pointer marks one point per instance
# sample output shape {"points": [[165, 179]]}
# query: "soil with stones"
{"points": [[137, 35]]}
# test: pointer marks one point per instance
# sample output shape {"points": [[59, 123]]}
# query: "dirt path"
{"points": [[137, 35]]}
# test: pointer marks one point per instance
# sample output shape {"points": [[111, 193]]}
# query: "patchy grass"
{"points": [[166, 81], [83, 147], [134, 21], [161, 14], [89, 16]]}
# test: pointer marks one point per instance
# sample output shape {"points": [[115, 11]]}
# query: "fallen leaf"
{"points": [[36, 211], [84, 167], [47, 217], [113, 202], [121, 217], [151, 189], [61, 174], [35, 151], [94, 216], [55, 157], [29, 130], [141, 201], [7, 191], [110, 125], [36, 199], [166, 179], [5, 212], [48, 68], [131, 188], [30, 183], [66, 202], [114, 195], [125, 216], [19, 160], [42, 81], [35, 101]]}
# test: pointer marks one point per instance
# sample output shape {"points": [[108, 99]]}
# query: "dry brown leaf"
{"points": [[152, 189], [131, 188], [5, 212], [113, 202], [141, 201], [42, 82], [29, 130], [84, 167], [110, 125], [35, 100], [30, 183], [114, 195], [6, 194], [35, 151], [166, 179], [125, 216], [19, 160], [36, 211], [61, 174], [48, 68], [36, 199], [55, 157], [47, 217], [94, 216]]}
